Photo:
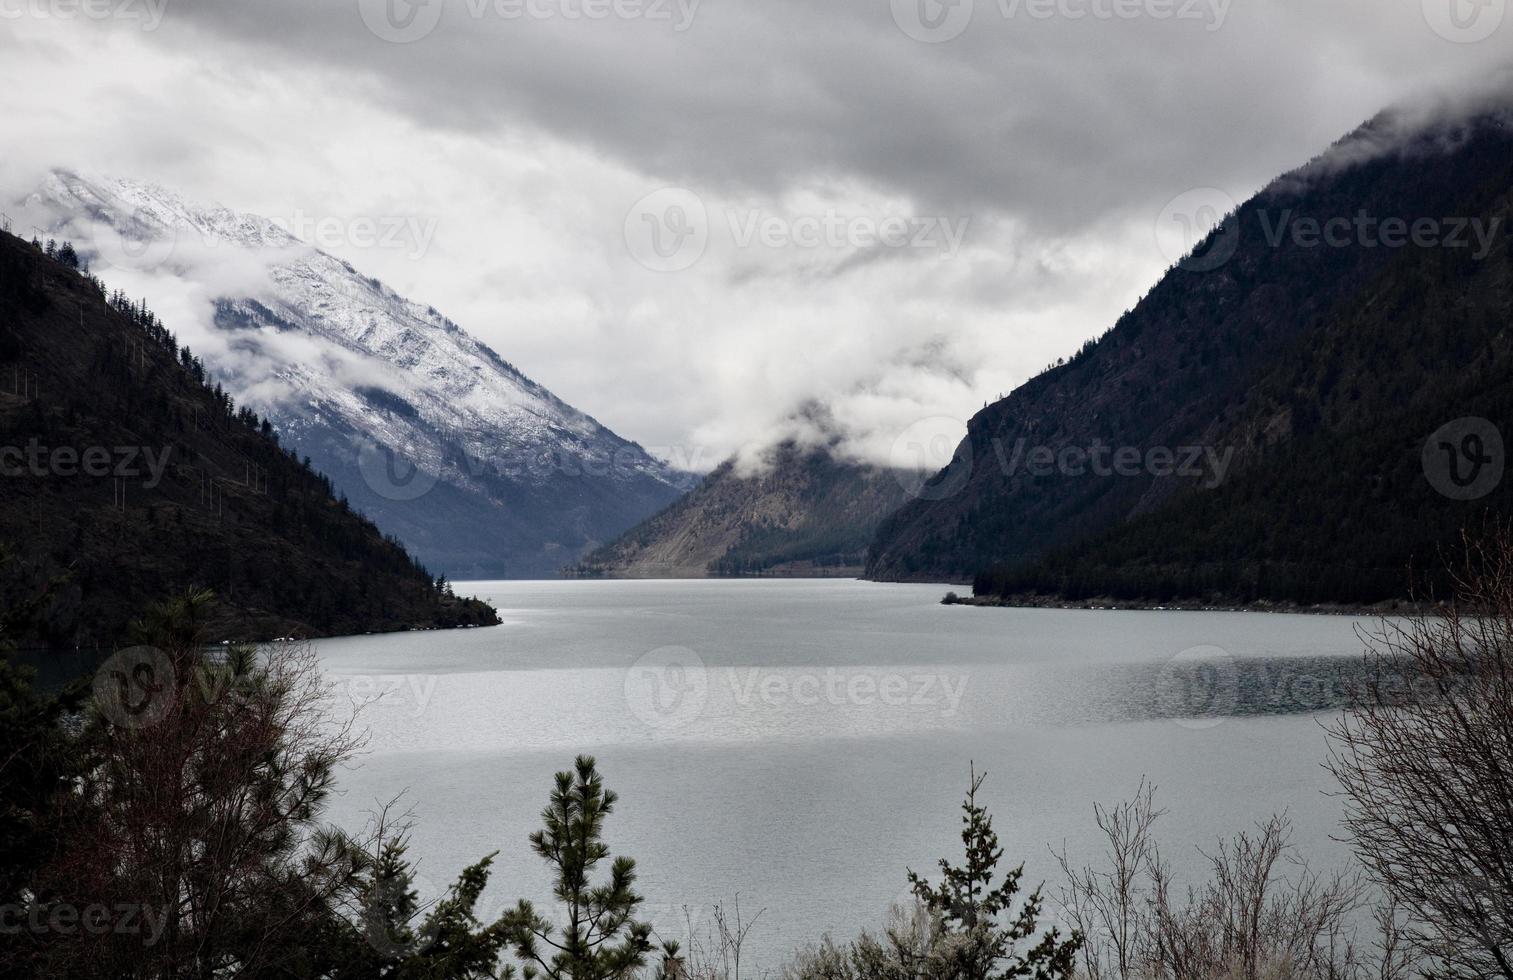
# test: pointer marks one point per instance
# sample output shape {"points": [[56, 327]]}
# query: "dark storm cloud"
{"points": [[1051, 133], [1030, 110]]}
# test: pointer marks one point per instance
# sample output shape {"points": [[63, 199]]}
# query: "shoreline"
{"points": [[1390, 608]]}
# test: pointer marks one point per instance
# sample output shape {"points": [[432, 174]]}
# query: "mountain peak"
{"points": [[351, 371]]}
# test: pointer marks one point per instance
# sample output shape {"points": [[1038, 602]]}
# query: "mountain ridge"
{"points": [[797, 511], [131, 477], [1239, 348], [504, 479]]}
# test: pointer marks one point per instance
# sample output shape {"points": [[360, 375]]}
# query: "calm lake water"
{"points": [[799, 744]]}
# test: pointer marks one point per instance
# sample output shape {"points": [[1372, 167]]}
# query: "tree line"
{"points": [[165, 821]]}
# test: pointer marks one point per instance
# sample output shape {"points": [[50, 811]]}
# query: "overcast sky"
{"points": [[693, 219]]}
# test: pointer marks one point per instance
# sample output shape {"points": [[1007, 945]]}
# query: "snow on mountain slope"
{"points": [[478, 469]]}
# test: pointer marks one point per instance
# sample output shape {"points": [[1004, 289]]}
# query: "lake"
{"points": [[799, 744]]}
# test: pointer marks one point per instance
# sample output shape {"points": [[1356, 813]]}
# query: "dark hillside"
{"points": [[127, 476], [1318, 371]]}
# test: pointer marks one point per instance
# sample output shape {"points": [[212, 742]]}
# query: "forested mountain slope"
{"points": [[503, 479], [1308, 363], [130, 476]]}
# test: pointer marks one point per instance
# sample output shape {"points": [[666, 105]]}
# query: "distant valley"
{"points": [[1286, 416], [799, 511]]}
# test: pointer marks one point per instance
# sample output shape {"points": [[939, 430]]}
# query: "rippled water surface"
{"points": [[800, 743]]}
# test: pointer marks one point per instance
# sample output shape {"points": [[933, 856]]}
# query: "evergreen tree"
{"points": [[403, 939], [981, 930], [39, 756], [600, 940]]}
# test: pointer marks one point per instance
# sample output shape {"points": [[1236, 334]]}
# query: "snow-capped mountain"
{"points": [[477, 469]]}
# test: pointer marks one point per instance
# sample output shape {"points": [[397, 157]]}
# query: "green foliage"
{"points": [[970, 926], [402, 940], [190, 827], [38, 757], [981, 930], [599, 938]]}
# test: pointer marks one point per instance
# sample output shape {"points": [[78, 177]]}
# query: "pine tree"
{"points": [[39, 755], [406, 939], [601, 940], [982, 932]]}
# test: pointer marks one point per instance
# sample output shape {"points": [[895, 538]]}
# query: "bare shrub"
{"points": [[1425, 760], [202, 813], [1261, 914], [717, 951]]}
